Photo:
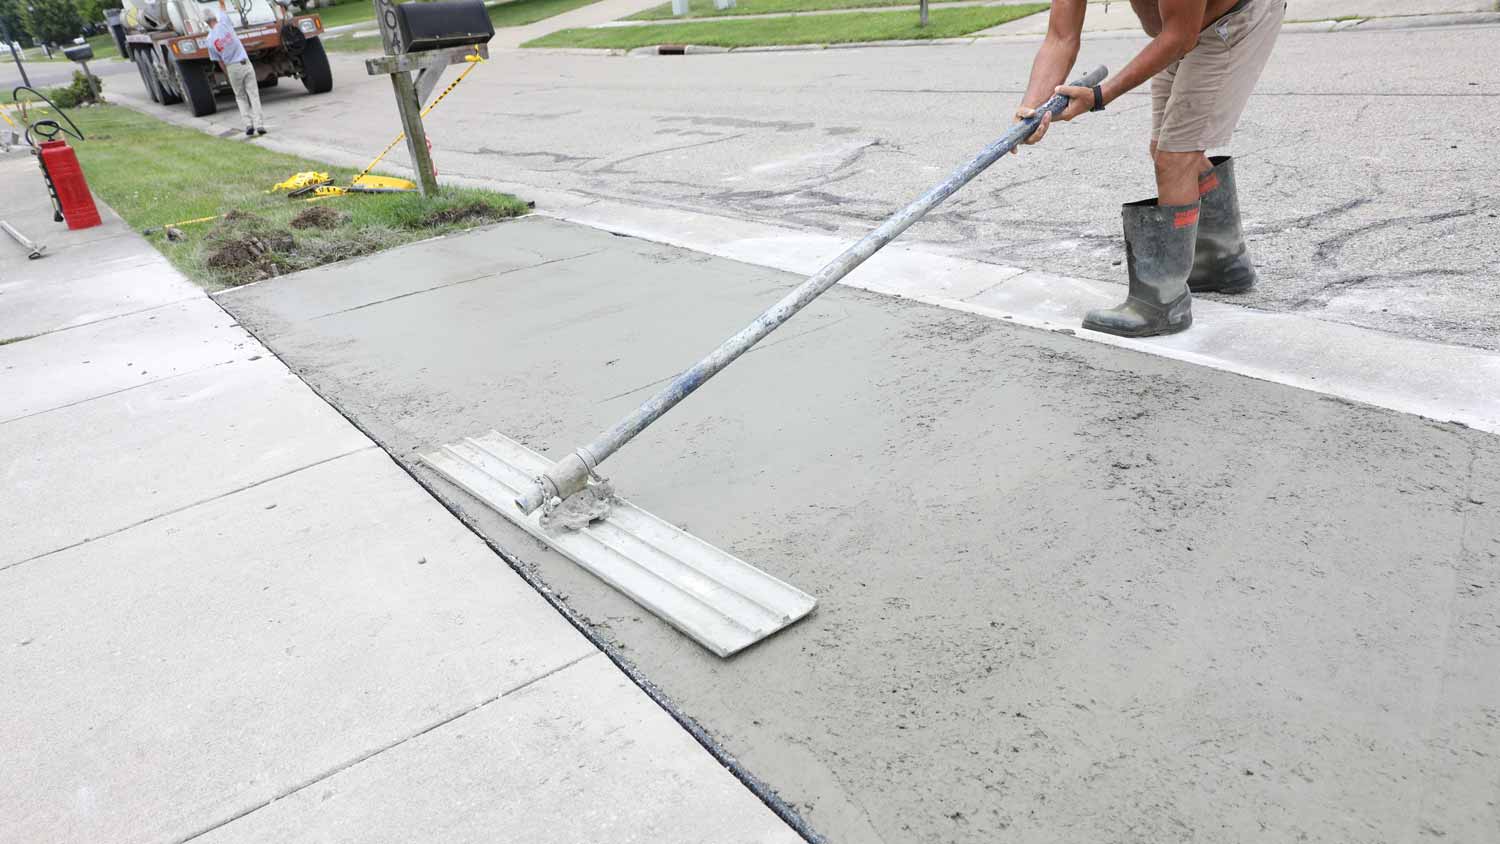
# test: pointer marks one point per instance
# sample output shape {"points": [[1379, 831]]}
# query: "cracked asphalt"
{"points": [[1368, 185]]}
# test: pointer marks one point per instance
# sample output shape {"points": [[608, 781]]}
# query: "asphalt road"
{"points": [[47, 74], [1365, 157]]}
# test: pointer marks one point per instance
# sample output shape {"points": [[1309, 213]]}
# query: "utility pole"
{"points": [[5, 33]]}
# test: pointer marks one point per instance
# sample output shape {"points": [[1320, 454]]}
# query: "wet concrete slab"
{"points": [[1067, 591]]}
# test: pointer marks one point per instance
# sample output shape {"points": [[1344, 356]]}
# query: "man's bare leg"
{"points": [[1177, 175]]}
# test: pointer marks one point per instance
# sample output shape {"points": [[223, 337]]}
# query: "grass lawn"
{"points": [[103, 44], [190, 174], [353, 11], [705, 8], [511, 13], [804, 29]]}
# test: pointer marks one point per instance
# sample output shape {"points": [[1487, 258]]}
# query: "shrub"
{"points": [[75, 93]]}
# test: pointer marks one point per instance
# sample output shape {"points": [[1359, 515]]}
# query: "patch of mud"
{"points": [[319, 217], [247, 246], [580, 509]]}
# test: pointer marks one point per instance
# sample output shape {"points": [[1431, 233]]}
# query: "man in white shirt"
{"points": [[225, 48]]}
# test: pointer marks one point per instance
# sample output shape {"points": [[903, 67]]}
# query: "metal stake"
{"points": [[571, 473], [922, 14], [33, 249]]}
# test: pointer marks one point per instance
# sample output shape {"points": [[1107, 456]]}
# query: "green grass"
{"points": [[353, 11], [190, 174], [104, 48], [803, 29], [347, 43], [512, 13], [522, 12], [705, 8]]}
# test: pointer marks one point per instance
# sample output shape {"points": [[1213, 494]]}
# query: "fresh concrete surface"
{"points": [[1068, 592], [1361, 208], [221, 599]]}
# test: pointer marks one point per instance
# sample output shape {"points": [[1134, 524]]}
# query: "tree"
{"points": [[53, 21], [13, 18], [92, 11]]}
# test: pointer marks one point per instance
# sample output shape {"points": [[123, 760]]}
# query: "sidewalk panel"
{"points": [[81, 472], [167, 678], [76, 287], [578, 756], [64, 367]]}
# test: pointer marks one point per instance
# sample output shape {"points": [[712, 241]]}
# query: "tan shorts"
{"points": [[1196, 101]]}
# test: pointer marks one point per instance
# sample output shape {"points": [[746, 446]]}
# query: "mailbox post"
{"points": [[440, 34], [81, 53], [407, 103]]}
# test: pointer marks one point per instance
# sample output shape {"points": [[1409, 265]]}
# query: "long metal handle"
{"points": [[571, 473], [33, 250]]}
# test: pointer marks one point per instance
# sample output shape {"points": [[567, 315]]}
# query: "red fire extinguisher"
{"points": [[71, 200]]}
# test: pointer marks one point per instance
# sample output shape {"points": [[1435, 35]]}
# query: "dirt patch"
{"points": [[469, 212], [319, 217], [247, 246]]}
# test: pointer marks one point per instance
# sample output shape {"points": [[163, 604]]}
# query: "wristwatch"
{"points": [[1098, 98]]}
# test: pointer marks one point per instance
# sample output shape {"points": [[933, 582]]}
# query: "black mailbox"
{"points": [[79, 52], [448, 23]]}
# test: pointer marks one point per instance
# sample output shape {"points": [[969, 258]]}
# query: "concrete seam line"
{"points": [[758, 787], [344, 766], [63, 328], [152, 382], [448, 284], [174, 511]]}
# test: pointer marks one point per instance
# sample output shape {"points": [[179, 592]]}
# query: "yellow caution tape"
{"points": [[473, 59], [301, 181]]}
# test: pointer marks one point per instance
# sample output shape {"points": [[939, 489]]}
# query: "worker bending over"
{"points": [[1203, 61]]}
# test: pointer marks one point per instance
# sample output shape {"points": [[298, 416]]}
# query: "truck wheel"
{"points": [[168, 95], [143, 65], [317, 76], [200, 93]]}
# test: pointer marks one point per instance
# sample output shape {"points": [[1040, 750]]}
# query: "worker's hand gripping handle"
{"points": [[1058, 102]]}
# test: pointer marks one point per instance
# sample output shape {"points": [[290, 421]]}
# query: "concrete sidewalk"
{"points": [[229, 616]]}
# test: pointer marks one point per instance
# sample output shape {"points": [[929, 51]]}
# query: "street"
{"points": [[1363, 206]]}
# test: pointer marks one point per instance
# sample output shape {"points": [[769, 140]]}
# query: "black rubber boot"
{"points": [[1221, 262], [1158, 257]]}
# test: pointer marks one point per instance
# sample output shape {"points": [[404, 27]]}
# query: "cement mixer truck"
{"points": [[168, 41]]}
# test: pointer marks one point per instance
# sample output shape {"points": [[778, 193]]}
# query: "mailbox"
{"points": [[447, 23], [79, 52]]}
